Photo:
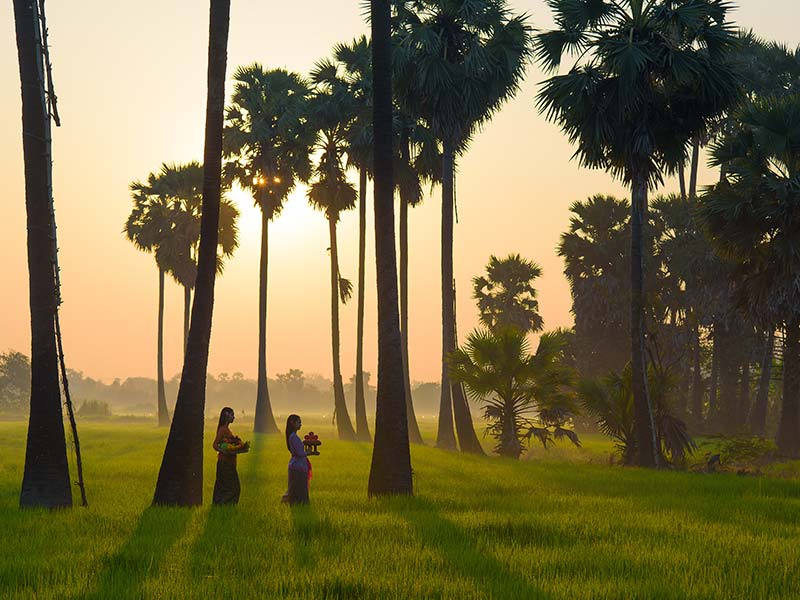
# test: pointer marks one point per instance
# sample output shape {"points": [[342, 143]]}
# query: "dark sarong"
{"points": [[298, 487], [226, 487]]}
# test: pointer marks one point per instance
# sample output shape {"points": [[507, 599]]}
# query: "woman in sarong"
{"points": [[299, 465], [226, 487]]}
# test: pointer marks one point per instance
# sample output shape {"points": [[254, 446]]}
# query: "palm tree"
{"points": [[268, 141], [458, 61], [595, 250], [356, 62], [331, 193], [751, 215], [511, 383], [506, 296], [390, 471], [650, 77], [45, 481], [149, 228], [180, 478]]}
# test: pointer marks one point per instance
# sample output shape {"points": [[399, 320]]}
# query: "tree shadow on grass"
{"points": [[214, 541], [124, 573], [461, 552], [306, 532]]}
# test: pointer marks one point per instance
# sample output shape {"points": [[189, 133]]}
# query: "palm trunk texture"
{"points": [[390, 471], [362, 426], [180, 478], [45, 480], [163, 413]]}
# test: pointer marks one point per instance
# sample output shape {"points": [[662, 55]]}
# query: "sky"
{"points": [[130, 80]]}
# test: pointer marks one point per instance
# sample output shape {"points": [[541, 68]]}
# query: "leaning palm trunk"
{"points": [[180, 479], [644, 425], [414, 434], [788, 439], [344, 427], [45, 480], [758, 418], [390, 471], [445, 435], [362, 427], [264, 419], [163, 413]]}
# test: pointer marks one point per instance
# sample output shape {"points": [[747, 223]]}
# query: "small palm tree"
{"points": [[268, 141], [650, 77], [457, 62], [752, 217], [331, 193], [511, 384], [506, 296]]}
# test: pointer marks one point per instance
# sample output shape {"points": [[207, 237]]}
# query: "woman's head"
{"points": [[293, 423], [226, 417]]}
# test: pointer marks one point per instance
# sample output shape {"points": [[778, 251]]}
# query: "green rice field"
{"points": [[563, 524]]}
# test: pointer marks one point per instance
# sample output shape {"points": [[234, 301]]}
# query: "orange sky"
{"points": [[130, 78]]}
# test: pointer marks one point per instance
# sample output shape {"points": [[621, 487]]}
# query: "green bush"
{"points": [[94, 409]]}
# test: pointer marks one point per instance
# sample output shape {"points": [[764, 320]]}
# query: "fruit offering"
{"points": [[311, 443], [234, 447]]}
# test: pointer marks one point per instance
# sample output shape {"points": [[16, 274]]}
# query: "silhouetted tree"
{"points": [[331, 193], [651, 76], [180, 479], [45, 480], [506, 296], [751, 216], [457, 63], [390, 471], [268, 140]]}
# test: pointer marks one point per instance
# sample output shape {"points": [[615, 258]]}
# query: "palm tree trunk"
{"points": [[344, 426], [644, 425], [180, 478], [414, 434], [713, 400], [163, 413], [467, 440], [390, 472], [45, 480], [694, 167], [758, 418], [728, 378], [744, 396], [788, 439], [445, 435], [187, 309], [682, 180], [697, 384], [264, 419], [362, 426]]}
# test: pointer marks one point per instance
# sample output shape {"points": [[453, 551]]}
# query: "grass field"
{"points": [[561, 525]]}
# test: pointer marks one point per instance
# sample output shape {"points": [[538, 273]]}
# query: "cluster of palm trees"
{"points": [[718, 268], [649, 83]]}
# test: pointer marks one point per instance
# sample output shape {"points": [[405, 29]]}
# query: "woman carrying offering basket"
{"points": [[226, 487], [299, 465]]}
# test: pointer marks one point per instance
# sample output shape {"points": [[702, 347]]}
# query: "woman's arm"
{"points": [[297, 446]]}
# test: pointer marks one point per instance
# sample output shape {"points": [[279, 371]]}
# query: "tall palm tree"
{"points": [[45, 480], [149, 228], [650, 77], [268, 141], [458, 61], [356, 61], [390, 471], [752, 216], [180, 478], [506, 296], [331, 193]]}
